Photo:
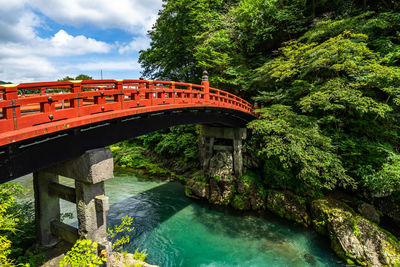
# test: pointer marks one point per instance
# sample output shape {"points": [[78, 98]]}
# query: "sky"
{"points": [[46, 40]]}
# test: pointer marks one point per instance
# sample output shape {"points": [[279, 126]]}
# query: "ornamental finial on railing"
{"points": [[205, 76]]}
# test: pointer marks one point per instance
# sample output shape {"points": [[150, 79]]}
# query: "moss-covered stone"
{"points": [[197, 189], [221, 192], [289, 206], [241, 202], [354, 238]]}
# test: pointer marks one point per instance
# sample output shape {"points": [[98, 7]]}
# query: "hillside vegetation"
{"points": [[326, 72]]}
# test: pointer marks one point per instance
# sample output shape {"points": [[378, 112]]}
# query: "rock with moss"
{"points": [[354, 238], [249, 185], [288, 205], [221, 192], [221, 165], [257, 196], [197, 189], [242, 187], [368, 211], [126, 259], [241, 202]]}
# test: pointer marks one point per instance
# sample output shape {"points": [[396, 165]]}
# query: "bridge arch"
{"points": [[42, 124]]}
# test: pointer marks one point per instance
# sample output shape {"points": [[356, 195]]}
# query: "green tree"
{"points": [[333, 64], [351, 91], [79, 77], [296, 154], [170, 55], [17, 228]]}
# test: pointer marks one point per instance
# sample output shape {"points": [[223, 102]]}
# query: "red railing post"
{"points": [[162, 94], [120, 96], [206, 87], [191, 93], [49, 106], [100, 99], [136, 96], [173, 92], [13, 112], [150, 87], [77, 102]]}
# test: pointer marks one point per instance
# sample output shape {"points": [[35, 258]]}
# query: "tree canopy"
{"points": [[327, 72]]}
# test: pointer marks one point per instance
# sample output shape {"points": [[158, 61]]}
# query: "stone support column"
{"points": [[209, 152], [237, 154], [91, 205], [89, 171], [202, 152], [47, 207], [208, 136]]}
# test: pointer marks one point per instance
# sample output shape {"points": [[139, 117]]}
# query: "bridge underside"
{"points": [[31, 155]]}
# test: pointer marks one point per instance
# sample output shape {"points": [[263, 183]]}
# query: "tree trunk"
{"points": [[313, 8]]}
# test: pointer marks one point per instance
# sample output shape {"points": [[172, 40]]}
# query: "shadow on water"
{"points": [[149, 208], [178, 231], [274, 236]]}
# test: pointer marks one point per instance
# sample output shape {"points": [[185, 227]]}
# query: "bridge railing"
{"points": [[31, 104]]}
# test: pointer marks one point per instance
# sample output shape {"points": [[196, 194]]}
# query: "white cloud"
{"points": [[61, 44], [17, 23], [131, 15], [108, 65], [64, 44], [25, 56], [27, 69], [138, 43]]}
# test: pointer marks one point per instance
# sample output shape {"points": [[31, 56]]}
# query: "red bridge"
{"points": [[45, 123]]}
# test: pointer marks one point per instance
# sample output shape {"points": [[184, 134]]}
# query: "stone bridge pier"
{"points": [[221, 140], [89, 171]]}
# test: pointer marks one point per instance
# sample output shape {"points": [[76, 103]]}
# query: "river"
{"points": [[177, 231]]}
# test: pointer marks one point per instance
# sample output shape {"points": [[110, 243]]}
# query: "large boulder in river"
{"points": [[250, 193], [354, 238], [288, 205], [256, 197], [197, 189], [221, 192]]}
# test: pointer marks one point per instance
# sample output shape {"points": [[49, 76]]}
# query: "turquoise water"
{"points": [[177, 231]]}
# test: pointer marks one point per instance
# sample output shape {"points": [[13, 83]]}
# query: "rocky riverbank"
{"points": [[355, 238], [352, 225]]}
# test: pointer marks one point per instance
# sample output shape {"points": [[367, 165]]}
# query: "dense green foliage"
{"points": [[134, 155], [123, 227], [83, 253], [328, 73], [17, 228], [176, 142], [352, 94], [175, 148], [293, 147]]}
